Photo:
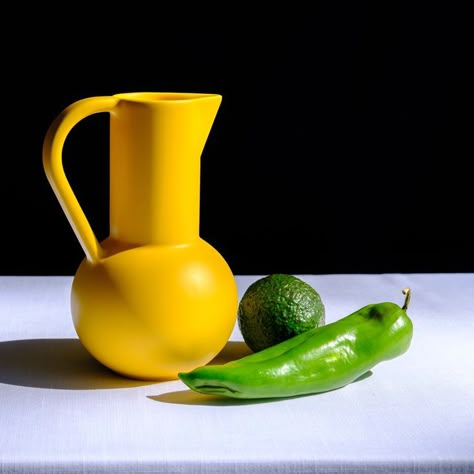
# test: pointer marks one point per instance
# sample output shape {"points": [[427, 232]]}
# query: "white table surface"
{"points": [[60, 411]]}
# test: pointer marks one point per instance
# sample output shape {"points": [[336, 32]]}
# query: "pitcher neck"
{"points": [[155, 155]]}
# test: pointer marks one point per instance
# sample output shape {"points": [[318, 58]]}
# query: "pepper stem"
{"points": [[407, 293]]}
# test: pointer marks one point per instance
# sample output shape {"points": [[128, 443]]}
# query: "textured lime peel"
{"points": [[277, 307]]}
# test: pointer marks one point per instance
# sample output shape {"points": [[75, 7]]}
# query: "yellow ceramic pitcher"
{"points": [[153, 298]]}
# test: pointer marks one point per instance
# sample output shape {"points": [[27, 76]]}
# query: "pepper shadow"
{"points": [[190, 397], [56, 364]]}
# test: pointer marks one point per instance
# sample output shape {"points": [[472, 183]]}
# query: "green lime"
{"points": [[276, 308]]}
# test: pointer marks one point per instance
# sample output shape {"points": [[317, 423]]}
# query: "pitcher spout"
{"points": [[156, 144]]}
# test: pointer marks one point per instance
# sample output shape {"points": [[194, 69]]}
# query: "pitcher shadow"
{"points": [[57, 364], [233, 350]]}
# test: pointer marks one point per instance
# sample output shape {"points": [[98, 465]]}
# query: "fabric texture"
{"points": [[61, 411]]}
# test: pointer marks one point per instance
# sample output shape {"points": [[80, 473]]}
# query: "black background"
{"points": [[342, 144]]}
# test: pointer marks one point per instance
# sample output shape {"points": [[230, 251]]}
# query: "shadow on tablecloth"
{"points": [[66, 365], [189, 397], [57, 364]]}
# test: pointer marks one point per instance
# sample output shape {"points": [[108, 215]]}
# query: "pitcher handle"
{"points": [[53, 166]]}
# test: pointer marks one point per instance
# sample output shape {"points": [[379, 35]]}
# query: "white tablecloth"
{"points": [[60, 411]]}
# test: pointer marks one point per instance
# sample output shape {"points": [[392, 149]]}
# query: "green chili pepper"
{"points": [[321, 359]]}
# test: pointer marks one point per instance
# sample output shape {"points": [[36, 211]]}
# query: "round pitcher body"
{"points": [[153, 299], [152, 311]]}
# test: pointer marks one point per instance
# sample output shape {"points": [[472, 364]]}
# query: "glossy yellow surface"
{"points": [[152, 299]]}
